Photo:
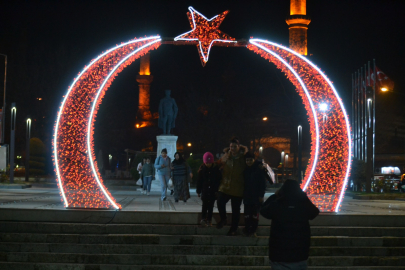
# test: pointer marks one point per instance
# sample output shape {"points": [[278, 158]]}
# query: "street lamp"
{"points": [[286, 163], [12, 141], [3, 117], [189, 144], [323, 107], [27, 154], [265, 118], [384, 89], [282, 166]]}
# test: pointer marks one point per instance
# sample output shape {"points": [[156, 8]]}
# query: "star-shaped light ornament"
{"points": [[206, 32]]}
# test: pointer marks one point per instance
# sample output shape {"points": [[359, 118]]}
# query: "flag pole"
{"points": [[358, 116], [362, 113], [369, 129], [353, 127], [374, 88]]}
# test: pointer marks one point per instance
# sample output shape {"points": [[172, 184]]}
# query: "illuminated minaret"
{"points": [[298, 25], [144, 116]]}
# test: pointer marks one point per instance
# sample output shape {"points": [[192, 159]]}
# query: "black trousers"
{"points": [[251, 217], [235, 204], [207, 208]]}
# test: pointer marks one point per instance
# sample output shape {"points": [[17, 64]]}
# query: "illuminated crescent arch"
{"points": [[329, 165], [80, 182]]}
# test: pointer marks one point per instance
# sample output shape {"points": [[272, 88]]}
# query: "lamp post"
{"points": [[258, 128], [384, 90], [299, 154], [3, 116], [282, 166], [286, 164], [27, 151], [12, 141]]}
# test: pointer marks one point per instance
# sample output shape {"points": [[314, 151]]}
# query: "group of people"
{"points": [[177, 171], [237, 177]]}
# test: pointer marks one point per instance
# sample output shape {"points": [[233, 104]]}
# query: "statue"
{"points": [[167, 113]]}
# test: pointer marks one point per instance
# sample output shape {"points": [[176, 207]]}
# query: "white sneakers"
{"points": [[144, 192]]}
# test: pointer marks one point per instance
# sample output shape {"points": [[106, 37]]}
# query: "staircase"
{"points": [[348, 244]]}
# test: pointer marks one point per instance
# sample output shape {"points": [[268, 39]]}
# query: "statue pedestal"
{"points": [[170, 143]]}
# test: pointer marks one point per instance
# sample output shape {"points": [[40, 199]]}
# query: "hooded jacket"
{"points": [[208, 181], [290, 235], [255, 183]]}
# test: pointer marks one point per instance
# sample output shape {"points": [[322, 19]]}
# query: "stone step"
{"points": [[88, 228], [154, 239], [56, 266], [184, 218], [133, 259], [39, 266], [192, 250], [174, 260]]}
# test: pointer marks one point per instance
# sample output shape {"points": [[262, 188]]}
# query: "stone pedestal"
{"points": [[169, 142]]}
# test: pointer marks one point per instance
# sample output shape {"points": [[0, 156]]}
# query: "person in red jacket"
{"points": [[290, 211]]}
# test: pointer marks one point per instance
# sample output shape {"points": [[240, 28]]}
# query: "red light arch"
{"points": [[81, 185]]}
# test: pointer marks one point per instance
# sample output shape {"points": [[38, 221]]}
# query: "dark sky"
{"points": [[49, 42]]}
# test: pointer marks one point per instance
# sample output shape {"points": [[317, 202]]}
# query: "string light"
{"points": [[79, 181], [205, 31], [329, 166]]}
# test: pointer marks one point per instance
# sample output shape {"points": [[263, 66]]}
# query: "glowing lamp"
{"points": [[264, 118], [384, 89], [323, 107], [189, 144], [137, 125]]}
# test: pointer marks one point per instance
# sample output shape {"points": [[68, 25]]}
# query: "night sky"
{"points": [[49, 42]]}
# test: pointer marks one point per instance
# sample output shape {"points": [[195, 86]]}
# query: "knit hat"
{"points": [[208, 158]]}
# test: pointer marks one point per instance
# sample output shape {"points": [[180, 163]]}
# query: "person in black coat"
{"points": [[255, 187], [209, 178], [290, 210]]}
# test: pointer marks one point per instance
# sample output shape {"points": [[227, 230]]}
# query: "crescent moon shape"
{"points": [[79, 182], [329, 165], [81, 185]]}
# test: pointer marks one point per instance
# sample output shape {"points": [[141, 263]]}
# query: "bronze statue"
{"points": [[167, 113]]}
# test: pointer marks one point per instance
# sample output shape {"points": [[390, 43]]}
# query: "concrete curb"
{"points": [[14, 186], [184, 218]]}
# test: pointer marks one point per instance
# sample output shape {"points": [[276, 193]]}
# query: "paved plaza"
{"points": [[133, 200]]}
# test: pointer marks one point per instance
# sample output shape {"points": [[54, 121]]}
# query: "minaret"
{"points": [[144, 116], [298, 25]]}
